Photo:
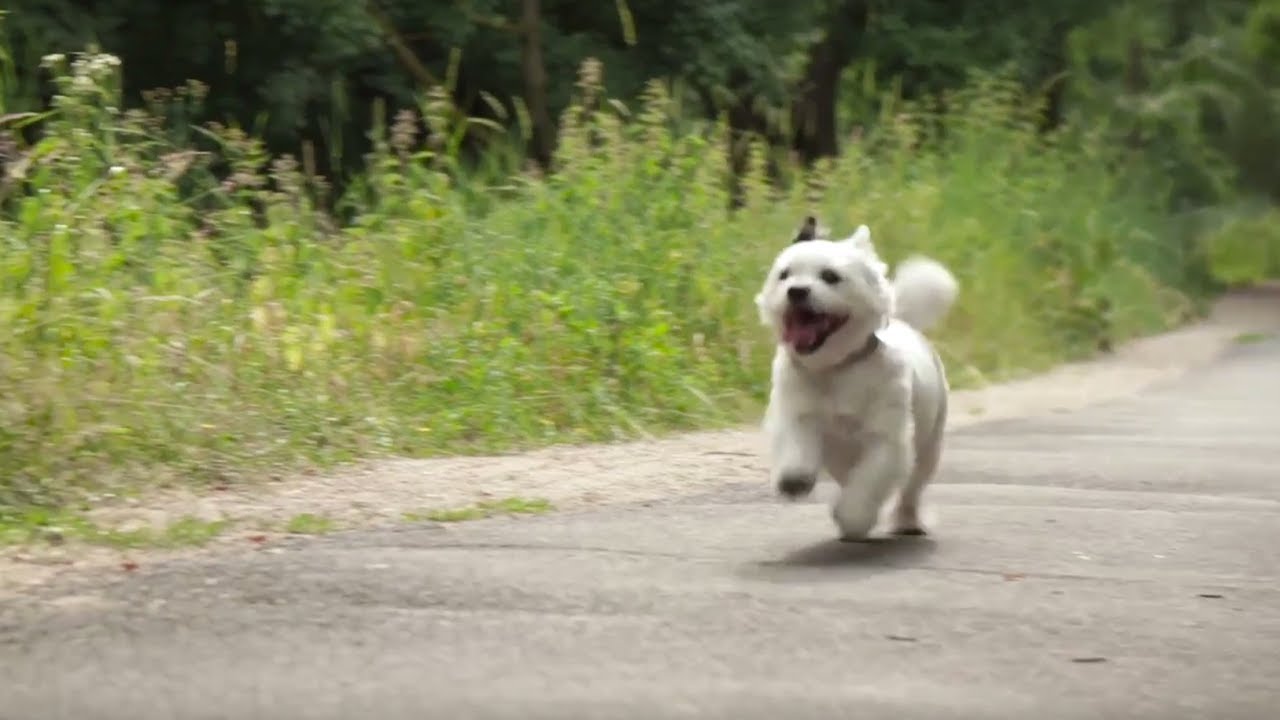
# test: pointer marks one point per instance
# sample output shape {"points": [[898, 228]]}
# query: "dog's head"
{"points": [[824, 298]]}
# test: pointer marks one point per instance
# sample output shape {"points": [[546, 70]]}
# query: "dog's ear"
{"points": [[808, 231], [861, 239]]}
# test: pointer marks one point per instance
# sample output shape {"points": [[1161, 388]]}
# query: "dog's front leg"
{"points": [[797, 454], [882, 467]]}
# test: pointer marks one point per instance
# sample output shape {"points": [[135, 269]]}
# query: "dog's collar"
{"points": [[862, 353]]}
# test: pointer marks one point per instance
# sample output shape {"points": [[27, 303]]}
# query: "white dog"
{"points": [[857, 389]]}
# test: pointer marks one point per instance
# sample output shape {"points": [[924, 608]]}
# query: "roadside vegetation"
{"points": [[185, 301]]}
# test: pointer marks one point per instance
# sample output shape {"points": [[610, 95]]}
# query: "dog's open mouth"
{"points": [[806, 330]]}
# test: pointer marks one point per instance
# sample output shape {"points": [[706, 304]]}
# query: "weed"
{"points": [[478, 511], [194, 531], [309, 524], [43, 526]]}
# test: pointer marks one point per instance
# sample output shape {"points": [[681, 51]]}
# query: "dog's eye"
{"points": [[784, 274], [830, 277]]}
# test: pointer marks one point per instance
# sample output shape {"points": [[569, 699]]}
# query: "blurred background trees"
{"points": [[1193, 85]]}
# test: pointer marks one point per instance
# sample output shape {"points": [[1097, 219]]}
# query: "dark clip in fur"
{"points": [[808, 231]]}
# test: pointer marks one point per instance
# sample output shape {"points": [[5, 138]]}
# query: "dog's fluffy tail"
{"points": [[924, 291]]}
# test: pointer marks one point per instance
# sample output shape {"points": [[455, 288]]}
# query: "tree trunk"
{"points": [[534, 72], [1135, 83], [1055, 69], [744, 124], [813, 113], [1182, 21], [747, 122]]}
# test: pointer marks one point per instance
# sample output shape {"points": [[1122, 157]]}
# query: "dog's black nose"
{"points": [[798, 293]]}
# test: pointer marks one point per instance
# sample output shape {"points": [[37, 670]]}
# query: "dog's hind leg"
{"points": [[906, 514]]}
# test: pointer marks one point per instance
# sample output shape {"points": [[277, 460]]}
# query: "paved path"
{"points": [[1118, 562]]}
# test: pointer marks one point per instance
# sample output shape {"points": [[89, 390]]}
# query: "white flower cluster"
{"points": [[90, 65], [90, 77]]}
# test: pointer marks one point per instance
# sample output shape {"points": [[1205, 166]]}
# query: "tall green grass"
{"points": [[162, 322]]}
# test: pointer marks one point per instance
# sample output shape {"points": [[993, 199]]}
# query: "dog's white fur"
{"points": [[874, 425]]}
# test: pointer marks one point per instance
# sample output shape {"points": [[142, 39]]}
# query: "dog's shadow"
{"points": [[842, 559]]}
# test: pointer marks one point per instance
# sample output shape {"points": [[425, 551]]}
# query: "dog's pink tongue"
{"points": [[800, 335]]}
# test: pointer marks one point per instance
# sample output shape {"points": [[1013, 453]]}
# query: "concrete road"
{"points": [[1119, 562]]}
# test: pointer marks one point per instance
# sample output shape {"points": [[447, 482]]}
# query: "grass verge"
{"points": [[309, 524], [1249, 338], [479, 511], [55, 527]]}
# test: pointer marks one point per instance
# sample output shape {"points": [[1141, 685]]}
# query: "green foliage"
{"points": [[931, 46], [1192, 85], [1246, 249], [161, 326]]}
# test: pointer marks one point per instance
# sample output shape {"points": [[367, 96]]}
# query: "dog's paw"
{"points": [[906, 523], [795, 485], [854, 523]]}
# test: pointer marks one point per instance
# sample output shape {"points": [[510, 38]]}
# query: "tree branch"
{"points": [[406, 56]]}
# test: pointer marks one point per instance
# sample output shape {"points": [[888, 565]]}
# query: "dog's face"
{"points": [[825, 297]]}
